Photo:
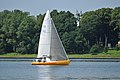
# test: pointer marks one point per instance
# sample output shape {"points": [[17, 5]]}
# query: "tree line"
{"points": [[19, 31]]}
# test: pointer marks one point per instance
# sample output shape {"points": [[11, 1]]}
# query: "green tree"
{"points": [[81, 45], [26, 33], [88, 27], [104, 29], [115, 25], [95, 49], [19, 32], [10, 21]]}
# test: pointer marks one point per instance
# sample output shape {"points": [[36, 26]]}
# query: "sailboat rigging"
{"points": [[50, 50]]}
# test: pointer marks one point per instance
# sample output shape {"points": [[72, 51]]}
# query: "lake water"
{"points": [[23, 70]]}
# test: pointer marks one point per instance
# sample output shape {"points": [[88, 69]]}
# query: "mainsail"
{"points": [[45, 37], [50, 43]]}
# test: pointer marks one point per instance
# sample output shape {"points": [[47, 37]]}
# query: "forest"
{"points": [[19, 31]]}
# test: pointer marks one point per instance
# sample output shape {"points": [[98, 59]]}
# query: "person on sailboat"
{"points": [[38, 59], [44, 59]]}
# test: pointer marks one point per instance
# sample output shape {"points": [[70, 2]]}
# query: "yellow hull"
{"points": [[62, 62]]}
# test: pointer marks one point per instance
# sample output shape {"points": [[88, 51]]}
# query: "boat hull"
{"points": [[62, 62]]}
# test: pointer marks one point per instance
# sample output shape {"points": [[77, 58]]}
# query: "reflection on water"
{"points": [[44, 72], [23, 70], [51, 72], [81, 71]]}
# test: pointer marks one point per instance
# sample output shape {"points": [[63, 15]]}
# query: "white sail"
{"points": [[45, 37], [57, 50], [50, 43]]}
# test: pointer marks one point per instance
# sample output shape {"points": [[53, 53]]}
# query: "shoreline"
{"points": [[111, 54], [19, 59], [35, 58]]}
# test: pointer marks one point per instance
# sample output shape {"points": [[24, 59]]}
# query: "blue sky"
{"points": [[36, 7]]}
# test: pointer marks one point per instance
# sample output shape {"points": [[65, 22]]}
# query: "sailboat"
{"points": [[50, 49]]}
